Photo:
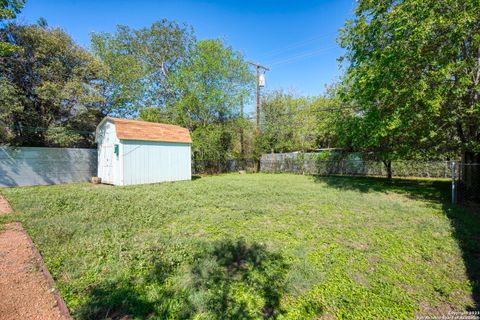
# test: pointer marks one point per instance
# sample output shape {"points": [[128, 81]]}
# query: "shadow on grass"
{"points": [[116, 300], [466, 223], [465, 218], [238, 281], [223, 280], [433, 190]]}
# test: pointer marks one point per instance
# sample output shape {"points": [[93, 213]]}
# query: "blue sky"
{"points": [[297, 39]]}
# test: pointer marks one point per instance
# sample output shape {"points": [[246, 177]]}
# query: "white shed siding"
{"points": [[151, 161], [107, 159]]}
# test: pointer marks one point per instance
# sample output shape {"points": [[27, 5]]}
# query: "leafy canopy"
{"points": [[413, 77], [141, 62], [295, 123], [210, 86], [50, 89], [9, 10]]}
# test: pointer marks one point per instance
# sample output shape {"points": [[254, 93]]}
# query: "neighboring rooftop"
{"points": [[149, 131]]}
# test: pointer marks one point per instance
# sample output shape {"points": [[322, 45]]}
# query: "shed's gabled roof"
{"points": [[149, 131]]}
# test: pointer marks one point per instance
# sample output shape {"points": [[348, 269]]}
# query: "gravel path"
{"points": [[4, 206], [26, 288]]}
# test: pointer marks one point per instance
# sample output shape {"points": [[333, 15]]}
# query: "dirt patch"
{"points": [[4, 206], [25, 292], [439, 311]]}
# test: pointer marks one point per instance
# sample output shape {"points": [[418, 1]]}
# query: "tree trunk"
{"points": [[388, 166], [470, 176]]}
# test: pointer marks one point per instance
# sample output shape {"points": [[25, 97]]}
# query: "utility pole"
{"points": [[259, 102], [241, 128]]}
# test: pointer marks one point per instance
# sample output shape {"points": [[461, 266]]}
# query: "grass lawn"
{"points": [[254, 246]]}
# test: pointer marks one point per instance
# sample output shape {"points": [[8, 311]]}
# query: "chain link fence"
{"points": [[465, 177], [421, 169], [223, 166]]}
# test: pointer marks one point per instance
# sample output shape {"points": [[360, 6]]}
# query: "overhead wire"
{"points": [[280, 58], [300, 56], [295, 45], [252, 114]]}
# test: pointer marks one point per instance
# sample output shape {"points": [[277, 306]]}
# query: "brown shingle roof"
{"points": [[150, 131]]}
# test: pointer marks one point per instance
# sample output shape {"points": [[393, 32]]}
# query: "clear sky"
{"points": [[297, 39]]}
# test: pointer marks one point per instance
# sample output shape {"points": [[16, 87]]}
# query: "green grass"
{"points": [[256, 246]]}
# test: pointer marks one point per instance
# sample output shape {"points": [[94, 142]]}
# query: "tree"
{"points": [[279, 122], [365, 133], [209, 86], [123, 89], [162, 74], [413, 76], [321, 116], [295, 123], [8, 10], [50, 89], [141, 62]]}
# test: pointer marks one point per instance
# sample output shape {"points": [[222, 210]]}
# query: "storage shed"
{"points": [[138, 152]]}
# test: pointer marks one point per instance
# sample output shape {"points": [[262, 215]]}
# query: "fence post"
{"points": [[454, 189]]}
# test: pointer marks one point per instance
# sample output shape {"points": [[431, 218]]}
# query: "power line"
{"points": [[251, 116], [300, 56], [296, 45]]}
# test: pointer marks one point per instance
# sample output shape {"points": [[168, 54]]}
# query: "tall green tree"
{"points": [[321, 116], [369, 128], [123, 89], [280, 121], [296, 123], [50, 89], [141, 62], [413, 75], [209, 88]]}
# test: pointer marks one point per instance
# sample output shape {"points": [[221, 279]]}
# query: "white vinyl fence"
{"points": [[28, 166]]}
